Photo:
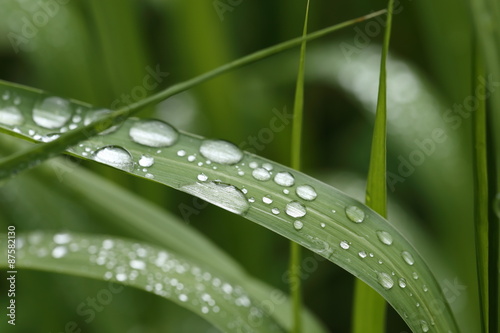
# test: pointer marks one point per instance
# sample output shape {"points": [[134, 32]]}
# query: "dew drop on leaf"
{"points": [[402, 283], [115, 156], [384, 237], [223, 195], [153, 133], [306, 192], [221, 151], [202, 177], [267, 200], [146, 161], [385, 280], [407, 257], [284, 179], [11, 116], [295, 209], [298, 225], [355, 214], [345, 245], [52, 112], [261, 174], [424, 325], [275, 211]]}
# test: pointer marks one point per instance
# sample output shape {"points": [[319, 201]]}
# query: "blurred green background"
{"points": [[101, 51]]}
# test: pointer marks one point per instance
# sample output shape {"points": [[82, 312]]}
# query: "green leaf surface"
{"points": [[334, 225]]}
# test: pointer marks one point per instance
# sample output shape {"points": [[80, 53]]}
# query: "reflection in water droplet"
{"points": [[354, 213], [11, 116], [115, 156], [253, 165], [284, 179], [153, 133], [202, 177], [52, 112], [267, 166], [362, 254], [59, 252], [267, 200], [306, 192], [261, 174], [385, 280], [402, 283], [146, 161], [408, 258], [424, 288], [221, 151], [322, 225], [344, 244], [223, 195], [295, 209], [415, 275], [384, 237], [298, 225], [275, 211], [181, 153]]}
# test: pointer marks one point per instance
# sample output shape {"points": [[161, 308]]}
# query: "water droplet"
{"points": [[267, 200], [285, 191], [425, 288], [146, 161], [253, 165], [251, 199], [181, 153], [267, 166], [11, 116], [284, 179], [94, 115], [137, 264], [408, 258], [306, 192], [385, 280], [241, 173], [6, 95], [334, 211], [223, 195], [221, 151], [202, 177], [298, 225], [295, 209], [261, 174], [244, 190], [59, 252], [62, 238], [415, 275], [275, 211], [384, 237], [52, 112], [191, 158], [115, 156], [17, 100], [402, 283], [153, 133], [322, 225], [183, 297], [424, 325], [149, 176], [344, 244], [355, 214], [362, 254]]}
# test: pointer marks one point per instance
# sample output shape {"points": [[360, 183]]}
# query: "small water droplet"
{"points": [[52, 112], [408, 258], [11, 116], [345, 245], [362, 254], [298, 225], [306, 192], [355, 214], [334, 211], [253, 165], [115, 156], [146, 161], [267, 200], [153, 133], [385, 280], [322, 225], [244, 190], [191, 158], [402, 283], [202, 177], [17, 100], [149, 176], [76, 118], [295, 209], [223, 195], [241, 173], [181, 153], [275, 211], [251, 199], [267, 166], [285, 191], [200, 164], [415, 275], [59, 252], [384, 237], [221, 151], [137, 264], [424, 325], [425, 288], [6, 95], [62, 238], [284, 179], [183, 298], [261, 174], [95, 115]]}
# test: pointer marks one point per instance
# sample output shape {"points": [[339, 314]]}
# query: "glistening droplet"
{"points": [[355, 214], [221, 151], [384, 237], [295, 209], [115, 156], [385, 280], [153, 133], [407, 257], [223, 195], [52, 112], [261, 174], [11, 116], [284, 179], [306, 192]]}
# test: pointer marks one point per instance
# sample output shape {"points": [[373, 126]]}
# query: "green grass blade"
{"points": [[481, 196], [208, 293], [298, 112], [335, 226], [35, 155], [369, 307]]}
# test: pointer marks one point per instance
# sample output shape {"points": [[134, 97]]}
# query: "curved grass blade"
{"points": [[208, 293], [298, 111], [288, 202], [34, 156], [369, 308]]}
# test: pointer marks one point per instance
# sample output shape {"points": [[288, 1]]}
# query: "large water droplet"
{"points": [[306, 192], [153, 133], [146, 161], [408, 258], [52, 112], [385, 280], [295, 209], [261, 174], [384, 237], [298, 225], [284, 179], [221, 151], [223, 195], [94, 115], [115, 156], [355, 214], [11, 116]]}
